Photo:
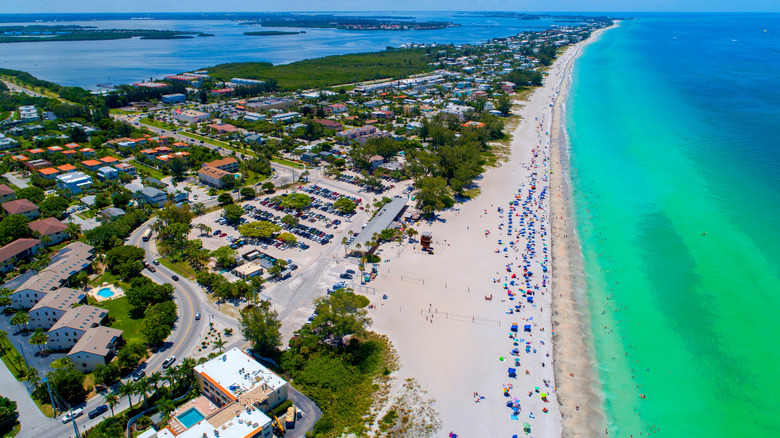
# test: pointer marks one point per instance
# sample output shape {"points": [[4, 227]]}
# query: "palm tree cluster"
{"points": [[148, 388]]}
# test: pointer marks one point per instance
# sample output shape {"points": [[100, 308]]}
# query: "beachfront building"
{"points": [[236, 377], [67, 331], [151, 196], [97, 346], [383, 220], [53, 306], [227, 164], [190, 116], [173, 98]]}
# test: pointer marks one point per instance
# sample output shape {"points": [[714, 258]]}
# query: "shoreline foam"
{"points": [[576, 372]]}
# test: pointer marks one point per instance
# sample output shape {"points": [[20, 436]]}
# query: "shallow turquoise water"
{"points": [[676, 169]]}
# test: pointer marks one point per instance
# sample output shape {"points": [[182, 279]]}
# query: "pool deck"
{"points": [[201, 403], [118, 293]]}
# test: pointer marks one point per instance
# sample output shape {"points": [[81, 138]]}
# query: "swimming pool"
{"points": [[190, 417], [106, 292]]}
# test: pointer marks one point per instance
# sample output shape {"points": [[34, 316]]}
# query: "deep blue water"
{"points": [[676, 168], [87, 63]]}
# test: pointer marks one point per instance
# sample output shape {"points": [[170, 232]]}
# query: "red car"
{"points": [[223, 235]]}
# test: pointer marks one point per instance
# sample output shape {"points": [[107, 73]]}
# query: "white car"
{"points": [[168, 362], [75, 414]]}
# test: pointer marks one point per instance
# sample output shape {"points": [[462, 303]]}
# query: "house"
{"points": [[7, 143], [54, 149], [211, 176], [53, 306], [125, 168], [23, 207], [92, 165], [107, 173], [87, 152], [173, 98], [97, 345], [34, 165], [254, 139], [66, 168], [236, 377], [75, 182], [111, 213], [382, 115], [109, 160], [73, 258], [227, 164], [151, 196], [51, 227], [309, 157], [337, 108], [330, 124], [376, 161], [48, 173], [271, 103], [6, 194], [17, 250], [28, 113], [67, 331]]}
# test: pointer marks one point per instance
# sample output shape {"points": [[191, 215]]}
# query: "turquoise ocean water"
{"points": [[674, 124]]}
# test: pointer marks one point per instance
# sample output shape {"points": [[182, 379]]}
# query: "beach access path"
{"points": [[449, 337]]}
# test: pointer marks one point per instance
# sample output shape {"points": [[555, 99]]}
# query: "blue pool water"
{"points": [[190, 417], [106, 292]]}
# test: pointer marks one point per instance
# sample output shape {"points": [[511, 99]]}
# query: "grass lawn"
{"points": [[181, 268], [119, 311], [158, 124], [45, 408], [154, 173], [12, 359], [105, 277], [221, 144], [284, 162]]}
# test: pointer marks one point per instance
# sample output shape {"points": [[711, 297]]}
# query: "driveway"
{"points": [[311, 413], [16, 180], [86, 224]]}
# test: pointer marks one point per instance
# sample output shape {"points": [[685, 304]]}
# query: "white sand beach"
{"points": [[449, 335]]}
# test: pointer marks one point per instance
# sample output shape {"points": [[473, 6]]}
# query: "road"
{"points": [[15, 88]]}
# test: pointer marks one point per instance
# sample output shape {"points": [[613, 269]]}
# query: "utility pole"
{"points": [[51, 398]]}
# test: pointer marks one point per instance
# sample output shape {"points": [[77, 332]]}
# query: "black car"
{"points": [[350, 271], [175, 277], [346, 276], [97, 411]]}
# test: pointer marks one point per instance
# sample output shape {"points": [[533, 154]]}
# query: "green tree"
{"points": [[8, 413], [20, 319], [233, 212], [158, 321], [53, 206], [127, 389], [130, 354], [248, 193], [111, 400], [121, 200], [144, 292], [229, 182], [288, 238], [39, 338], [177, 167], [268, 187], [290, 220], [13, 227], [74, 230], [504, 104], [125, 261], [345, 205], [260, 325], [433, 195], [106, 375], [225, 198], [263, 229], [296, 201], [32, 194], [225, 255], [341, 313], [69, 384], [102, 201]]}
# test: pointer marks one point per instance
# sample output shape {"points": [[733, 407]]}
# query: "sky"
{"points": [[62, 6]]}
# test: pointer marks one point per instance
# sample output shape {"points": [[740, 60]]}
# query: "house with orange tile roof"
{"points": [[87, 152], [92, 164], [72, 146], [66, 168], [55, 149], [69, 153], [473, 124], [49, 172], [35, 151], [19, 158], [109, 159]]}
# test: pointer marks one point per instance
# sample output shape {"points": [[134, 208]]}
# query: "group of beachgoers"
{"points": [[522, 244]]}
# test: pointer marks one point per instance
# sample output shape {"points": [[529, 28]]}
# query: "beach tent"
{"points": [[511, 372], [527, 328], [526, 428]]}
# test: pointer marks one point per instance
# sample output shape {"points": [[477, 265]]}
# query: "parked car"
{"points": [[346, 276], [97, 411], [71, 415], [350, 271]]}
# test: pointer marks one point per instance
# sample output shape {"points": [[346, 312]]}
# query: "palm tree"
{"points": [[5, 297], [186, 367], [344, 242], [154, 379], [219, 343], [20, 318], [73, 230], [112, 400], [127, 389], [39, 338], [3, 340], [165, 406], [142, 386], [170, 376]]}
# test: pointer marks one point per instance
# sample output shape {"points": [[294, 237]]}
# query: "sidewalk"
{"points": [[31, 418]]}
